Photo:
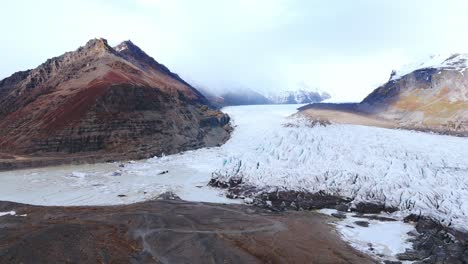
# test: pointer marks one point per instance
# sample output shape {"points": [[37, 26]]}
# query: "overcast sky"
{"points": [[346, 48]]}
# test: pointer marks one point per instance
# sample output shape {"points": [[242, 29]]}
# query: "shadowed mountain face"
{"points": [[239, 96], [244, 97], [98, 99], [432, 98]]}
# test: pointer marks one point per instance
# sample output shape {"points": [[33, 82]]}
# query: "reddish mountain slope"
{"points": [[119, 102]]}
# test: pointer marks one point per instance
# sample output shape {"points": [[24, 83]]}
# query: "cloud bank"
{"points": [[346, 48]]}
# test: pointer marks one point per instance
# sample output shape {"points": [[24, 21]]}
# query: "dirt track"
{"points": [[169, 232]]}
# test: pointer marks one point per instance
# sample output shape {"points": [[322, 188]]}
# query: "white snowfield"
{"points": [[416, 172], [381, 239]]}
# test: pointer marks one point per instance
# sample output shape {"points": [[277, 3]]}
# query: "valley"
{"points": [[273, 149], [276, 132]]}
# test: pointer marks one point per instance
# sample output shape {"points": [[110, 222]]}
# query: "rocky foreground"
{"points": [[168, 231], [433, 242]]}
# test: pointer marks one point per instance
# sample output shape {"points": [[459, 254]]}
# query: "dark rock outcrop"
{"points": [[436, 243]]}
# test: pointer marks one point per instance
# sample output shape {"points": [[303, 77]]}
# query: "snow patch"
{"points": [[7, 213], [80, 175], [381, 239]]}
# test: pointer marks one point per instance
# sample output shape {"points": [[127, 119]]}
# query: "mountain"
{"points": [[246, 96], [104, 103], [431, 95], [238, 96], [298, 97]]}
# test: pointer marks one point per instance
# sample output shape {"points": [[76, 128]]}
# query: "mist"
{"points": [[344, 48]]}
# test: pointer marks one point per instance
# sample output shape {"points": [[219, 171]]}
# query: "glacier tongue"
{"points": [[413, 171]]}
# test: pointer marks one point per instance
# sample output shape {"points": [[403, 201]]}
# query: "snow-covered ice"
{"points": [[106, 184], [413, 171], [382, 239], [7, 213]]}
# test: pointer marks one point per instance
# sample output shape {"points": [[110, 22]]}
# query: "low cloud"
{"points": [[346, 48]]}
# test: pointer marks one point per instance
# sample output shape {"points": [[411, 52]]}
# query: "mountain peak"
{"points": [[97, 44], [124, 45], [128, 46], [132, 52]]}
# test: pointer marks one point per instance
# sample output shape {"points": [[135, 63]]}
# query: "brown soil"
{"points": [[169, 232]]}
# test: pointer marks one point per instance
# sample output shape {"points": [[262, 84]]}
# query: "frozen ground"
{"points": [[381, 239]]}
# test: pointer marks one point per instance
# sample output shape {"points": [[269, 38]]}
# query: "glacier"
{"points": [[416, 172], [413, 171]]}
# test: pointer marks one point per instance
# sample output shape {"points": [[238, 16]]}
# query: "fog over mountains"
{"points": [[247, 96], [262, 45]]}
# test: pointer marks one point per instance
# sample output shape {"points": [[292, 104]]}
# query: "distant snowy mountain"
{"points": [[298, 97], [246, 96], [237, 96]]}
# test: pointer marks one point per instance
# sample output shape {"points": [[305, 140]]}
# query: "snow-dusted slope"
{"points": [[440, 61], [430, 95]]}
